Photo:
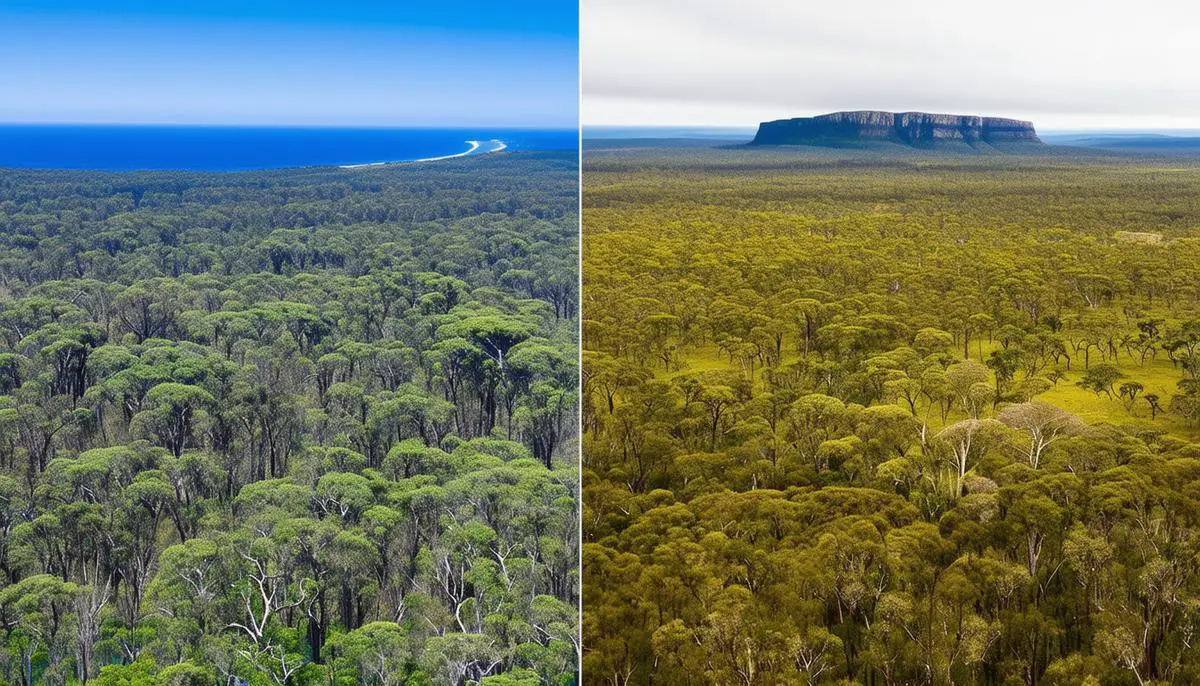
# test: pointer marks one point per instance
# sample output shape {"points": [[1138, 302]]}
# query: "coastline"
{"points": [[475, 145], [146, 148]]}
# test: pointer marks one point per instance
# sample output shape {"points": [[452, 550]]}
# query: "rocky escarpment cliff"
{"points": [[917, 129]]}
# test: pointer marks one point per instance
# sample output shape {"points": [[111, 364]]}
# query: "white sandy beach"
{"points": [[473, 148], [498, 145]]}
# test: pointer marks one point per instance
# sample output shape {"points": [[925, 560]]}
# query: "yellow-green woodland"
{"points": [[891, 420]]}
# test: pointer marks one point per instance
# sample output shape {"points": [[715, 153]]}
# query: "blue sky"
{"points": [[442, 63]]}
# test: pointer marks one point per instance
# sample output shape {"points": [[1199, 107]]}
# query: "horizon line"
{"points": [[280, 125], [752, 126]]}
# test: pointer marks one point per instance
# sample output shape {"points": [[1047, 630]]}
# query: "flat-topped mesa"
{"points": [[919, 129]]}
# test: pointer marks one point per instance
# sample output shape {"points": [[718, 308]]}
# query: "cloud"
{"points": [[1059, 62]]}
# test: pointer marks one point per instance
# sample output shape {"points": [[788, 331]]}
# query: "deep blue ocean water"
{"points": [[228, 148]]}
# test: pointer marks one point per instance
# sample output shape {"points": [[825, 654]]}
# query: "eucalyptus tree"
{"points": [[247, 420]]}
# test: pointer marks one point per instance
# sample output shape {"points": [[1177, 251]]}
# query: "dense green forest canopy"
{"points": [[297, 427], [890, 420]]}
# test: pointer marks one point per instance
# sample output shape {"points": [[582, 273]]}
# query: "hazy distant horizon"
{"points": [[303, 126], [670, 130]]}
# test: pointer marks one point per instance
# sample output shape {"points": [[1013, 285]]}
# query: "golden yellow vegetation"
{"points": [[890, 420]]}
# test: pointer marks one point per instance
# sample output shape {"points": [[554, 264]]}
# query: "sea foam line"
{"points": [[500, 145], [473, 148]]}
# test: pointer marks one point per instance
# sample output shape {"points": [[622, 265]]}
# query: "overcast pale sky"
{"points": [[1064, 64]]}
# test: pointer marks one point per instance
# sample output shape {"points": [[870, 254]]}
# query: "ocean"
{"points": [[230, 148]]}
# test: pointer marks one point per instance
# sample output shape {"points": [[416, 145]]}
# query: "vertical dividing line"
{"points": [[579, 335]]}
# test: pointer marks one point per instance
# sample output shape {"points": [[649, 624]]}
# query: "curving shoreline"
{"points": [[500, 145], [473, 148]]}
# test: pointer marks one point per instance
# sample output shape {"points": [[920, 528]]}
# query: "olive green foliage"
{"points": [[892, 421], [294, 427]]}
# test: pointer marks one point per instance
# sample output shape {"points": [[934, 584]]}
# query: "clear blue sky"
{"points": [[279, 62]]}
